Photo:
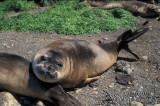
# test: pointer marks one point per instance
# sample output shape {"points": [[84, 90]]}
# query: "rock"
{"points": [[129, 71], [94, 89], [145, 57], [105, 38], [40, 103], [135, 41], [95, 92], [7, 99], [111, 85], [157, 105], [135, 103], [78, 90], [158, 78], [146, 70], [124, 79]]}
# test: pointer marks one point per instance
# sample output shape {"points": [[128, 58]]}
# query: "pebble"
{"points": [[157, 105], [128, 66], [78, 90], [150, 27], [94, 92], [135, 41], [105, 38], [158, 78], [30, 52], [145, 57], [111, 85], [40, 103], [146, 70], [135, 103], [94, 89], [129, 71], [136, 84]]}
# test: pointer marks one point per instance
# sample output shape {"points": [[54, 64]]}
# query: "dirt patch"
{"points": [[145, 88]]}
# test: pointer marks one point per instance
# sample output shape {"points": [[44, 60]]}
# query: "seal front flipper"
{"points": [[88, 81], [62, 98]]}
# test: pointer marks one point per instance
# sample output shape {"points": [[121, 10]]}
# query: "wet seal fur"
{"points": [[138, 8], [16, 76], [74, 63]]}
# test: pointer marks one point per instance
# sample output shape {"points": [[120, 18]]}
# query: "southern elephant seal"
{"points": [[73, 63], [136, 7], [16, 76]]}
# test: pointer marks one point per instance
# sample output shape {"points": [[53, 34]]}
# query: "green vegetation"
{"points": [[15, 5], [68, 17]]}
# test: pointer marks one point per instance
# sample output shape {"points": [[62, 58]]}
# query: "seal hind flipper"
{"points": [[126, 48], [129, 36]]}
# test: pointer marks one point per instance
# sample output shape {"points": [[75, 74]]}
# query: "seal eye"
{"points": [[43, 58], [60, 65]]}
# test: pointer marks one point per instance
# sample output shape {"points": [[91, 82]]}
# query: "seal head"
{"points": [[48, 65]]}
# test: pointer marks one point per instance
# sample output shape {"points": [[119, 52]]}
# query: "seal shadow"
{"points": [[126, 59]]}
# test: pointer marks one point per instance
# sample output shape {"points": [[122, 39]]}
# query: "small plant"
{"points": [[15, 5], [68, 17]]}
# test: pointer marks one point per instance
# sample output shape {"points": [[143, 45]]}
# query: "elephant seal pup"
{"points": [[16, 76], [74, 63], [136, 7]]}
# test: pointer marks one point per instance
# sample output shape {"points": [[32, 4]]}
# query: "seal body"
{"points": [[136, 7], [16, 76], [73, 63]]}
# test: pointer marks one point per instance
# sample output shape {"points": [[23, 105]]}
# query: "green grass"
{"points": [[68, 17], [15, 5]]}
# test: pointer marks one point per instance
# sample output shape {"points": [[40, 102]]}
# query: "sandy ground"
{"points": [[105, 91]]}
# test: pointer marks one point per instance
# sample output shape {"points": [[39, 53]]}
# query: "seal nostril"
{"points": [[43, 58]]}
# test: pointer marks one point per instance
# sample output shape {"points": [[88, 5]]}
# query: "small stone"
{"points": [[78, 90], [145, 57], [105, 38], [158, 78], [140, 89], [135, 41], [135, 103], [157, 105], [30, 52], [111, 85], [146, 70], [128, 66], [7, 99], [40, 103], [94, 89], [150, 27], [129, 83], [124, 79], [136, 84], [94, 92], [129, 71]]}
